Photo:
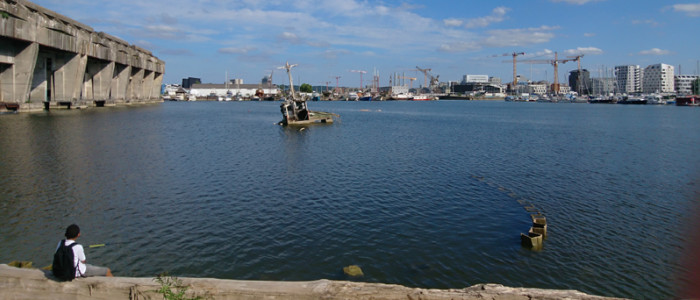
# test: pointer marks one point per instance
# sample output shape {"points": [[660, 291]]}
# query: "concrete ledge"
{"points": [[36, 284]]}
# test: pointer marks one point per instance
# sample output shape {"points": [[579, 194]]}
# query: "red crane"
{"points": [[361, 72], [337, 89]]}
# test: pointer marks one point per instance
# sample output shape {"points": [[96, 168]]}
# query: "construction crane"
{"points": [[361, 72], [411, 79], [426, 73], [577, 58], [515, 64], [555, 63], [337, 78]]}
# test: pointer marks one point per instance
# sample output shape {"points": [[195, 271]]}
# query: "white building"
{"points": [[538, 88], [476, 79], [245, 90], [564, 89], [629, 79], [684, 84], [658, 78]]}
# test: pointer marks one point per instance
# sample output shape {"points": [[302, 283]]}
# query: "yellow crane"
{"points": [[426, 73], [555, 63], [411, 79], [515, 61]]}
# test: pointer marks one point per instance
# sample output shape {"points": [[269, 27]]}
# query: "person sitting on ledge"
{"points": [[82, 269]]}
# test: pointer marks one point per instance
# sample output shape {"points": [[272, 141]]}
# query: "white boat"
{"points": [[422, 97], [655, 99], [402, 96]]}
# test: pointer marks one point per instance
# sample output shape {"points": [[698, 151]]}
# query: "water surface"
{"points": [[215, 189]]}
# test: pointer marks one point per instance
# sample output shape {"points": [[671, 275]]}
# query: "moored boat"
{"points": [[633, 100], [691, 100], [655, 99], [422, 97]]}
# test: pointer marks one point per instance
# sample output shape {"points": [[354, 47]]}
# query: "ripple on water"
{"points": [[215, 190]]}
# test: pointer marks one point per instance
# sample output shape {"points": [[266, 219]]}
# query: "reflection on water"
{"points": [[218, 190]]}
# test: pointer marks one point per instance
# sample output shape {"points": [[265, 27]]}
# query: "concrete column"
{"points": [[135, 85], [69, 77], [157, 83], [40, 81], [16, 78], [98, 79], [120, 83], [147, 85]]}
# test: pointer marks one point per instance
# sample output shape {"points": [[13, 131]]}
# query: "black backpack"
{"points": [[62, 266]]}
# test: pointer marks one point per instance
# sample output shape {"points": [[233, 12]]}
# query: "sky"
{"points": [[249, 39]]}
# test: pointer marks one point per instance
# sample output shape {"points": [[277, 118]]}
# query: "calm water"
{"points": [[217, 190]]}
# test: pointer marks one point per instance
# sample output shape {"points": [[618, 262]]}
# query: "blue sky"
{"points": [[328, 38]]}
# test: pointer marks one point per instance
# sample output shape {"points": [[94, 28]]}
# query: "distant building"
{"points": [[538, 88], [267, 80], [245, 90], [684, 84], [399, 89], [580, 82], [189, 81], [658, 78], [475, 79], [476, 88], [564, 89], [495, 80], [603, 86], [628, 79]]}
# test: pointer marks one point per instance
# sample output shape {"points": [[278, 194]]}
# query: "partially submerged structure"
{"points": [[296, 112]]}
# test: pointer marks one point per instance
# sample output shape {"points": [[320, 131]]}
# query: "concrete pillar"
{"points": [[40, 81], [120, 83], [157, 83], [98, 79], [135, 85], [147, 85], [69, 77], [16, 77]]}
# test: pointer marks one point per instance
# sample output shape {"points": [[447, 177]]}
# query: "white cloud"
{"points": [[452, 22], [237, 50], [654, 51], [649, 22], [577, 2], [289, 37], [458, 47], [544, 52], [589, 34], [334, 53], [584, 50], [497, 15], [519, 37], [691, 9]]}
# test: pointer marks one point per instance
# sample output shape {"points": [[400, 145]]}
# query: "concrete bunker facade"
{"points": [[49, 60]]}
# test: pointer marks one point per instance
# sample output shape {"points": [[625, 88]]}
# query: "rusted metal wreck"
{"points": [[296, 112]]}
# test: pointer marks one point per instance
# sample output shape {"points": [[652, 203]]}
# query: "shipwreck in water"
{"points": [[296, 112]]}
